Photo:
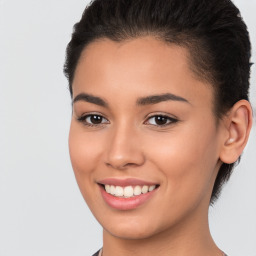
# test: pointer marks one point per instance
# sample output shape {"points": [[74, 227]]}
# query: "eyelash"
{"points": [[170, 120], [82, 119]]}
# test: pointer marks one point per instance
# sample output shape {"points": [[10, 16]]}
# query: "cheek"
{"points": [[187, 157], [84, 153]]}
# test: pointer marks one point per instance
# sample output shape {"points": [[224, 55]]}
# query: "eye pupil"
{"points": [[160, 120], [96, 119]]}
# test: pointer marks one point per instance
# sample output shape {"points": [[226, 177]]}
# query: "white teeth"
{"points": [[151, 188], [107, 187], [112, 190], [119, 191], [144, 189], [137, 190], [128, 191]]}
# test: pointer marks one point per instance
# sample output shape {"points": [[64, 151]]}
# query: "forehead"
{"points": [[135, 56], [143, 65]]}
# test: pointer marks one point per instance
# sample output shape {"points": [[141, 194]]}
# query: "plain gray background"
{"points": [[41, 210]]}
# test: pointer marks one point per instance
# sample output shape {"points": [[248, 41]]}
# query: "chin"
{"points": [[131, 230], [130, 234]]}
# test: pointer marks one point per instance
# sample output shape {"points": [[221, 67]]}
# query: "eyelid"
{"points": [[164, 114], [91, 114], [171, 119], [84, 116]]}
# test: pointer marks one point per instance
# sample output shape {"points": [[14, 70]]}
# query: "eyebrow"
{"points": [[154, 99], [148, 100], [91, 99]]}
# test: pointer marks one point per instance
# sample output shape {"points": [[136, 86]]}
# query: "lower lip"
{"points": [[121, 203]]}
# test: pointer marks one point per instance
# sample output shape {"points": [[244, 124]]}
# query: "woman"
{"points": [[160, 117]]}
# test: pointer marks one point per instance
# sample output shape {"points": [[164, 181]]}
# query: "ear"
{"points": [[237, 123]]}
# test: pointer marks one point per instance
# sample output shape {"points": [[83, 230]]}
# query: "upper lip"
{"points": [[125, 182]]}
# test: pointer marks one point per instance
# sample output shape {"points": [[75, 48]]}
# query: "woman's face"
{"points": [[142, 118]]}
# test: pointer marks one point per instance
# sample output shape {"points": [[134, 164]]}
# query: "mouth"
{"points": [[128, 191], [126, 194]]}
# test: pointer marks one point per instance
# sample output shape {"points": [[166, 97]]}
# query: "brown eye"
{"points": [[94, 119], [160, 120]]}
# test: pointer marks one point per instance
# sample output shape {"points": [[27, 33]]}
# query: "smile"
{"points": [[127, 194], [128, 191]]}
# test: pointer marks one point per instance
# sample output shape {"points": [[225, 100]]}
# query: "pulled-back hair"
{"points": [[212, 31]]}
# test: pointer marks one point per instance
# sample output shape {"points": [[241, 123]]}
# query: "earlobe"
{"points": [[238, 124]]}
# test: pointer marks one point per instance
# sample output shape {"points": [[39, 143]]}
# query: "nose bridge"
{"points": [[123, 146]]}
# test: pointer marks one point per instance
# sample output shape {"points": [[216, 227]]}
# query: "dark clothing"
{"points": [[96, 254]]}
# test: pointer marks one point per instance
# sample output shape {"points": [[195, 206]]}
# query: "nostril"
{"points": [[121, 165], [116, 165]]}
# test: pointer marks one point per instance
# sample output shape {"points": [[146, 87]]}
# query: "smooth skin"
{"points": [[115, 137]]}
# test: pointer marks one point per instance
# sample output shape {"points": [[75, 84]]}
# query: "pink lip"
{"points": [[121, 203], [125, 182]]}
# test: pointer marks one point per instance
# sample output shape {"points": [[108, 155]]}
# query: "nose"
{"points": [[124, 149]]}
